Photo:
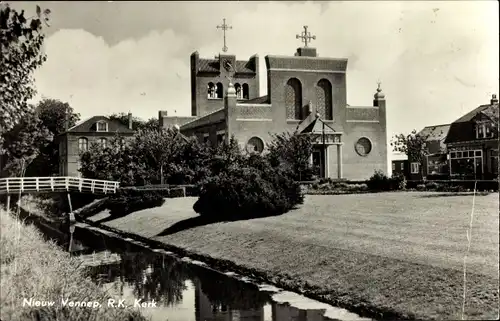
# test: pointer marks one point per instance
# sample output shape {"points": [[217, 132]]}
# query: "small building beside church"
{"points": [[306, 93], [77, 139]]}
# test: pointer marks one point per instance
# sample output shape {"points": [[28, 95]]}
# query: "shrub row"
{"points": [[454, 185]]}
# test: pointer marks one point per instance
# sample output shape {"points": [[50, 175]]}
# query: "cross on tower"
{"points": [[224, 27], [306, 36]]}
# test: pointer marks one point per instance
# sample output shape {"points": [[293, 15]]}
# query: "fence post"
{"points": [[36, 183], [67, 183], [7, 182], [69, 202], [80, 185], [8, 202], [22, 184], [52, 183]]}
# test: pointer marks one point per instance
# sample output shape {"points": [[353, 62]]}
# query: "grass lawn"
{"points": [[31, 268], [401, 252]]}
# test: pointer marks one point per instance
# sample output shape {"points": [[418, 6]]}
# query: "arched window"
{"points": [[83, 144], [239, 94], [293, 99], [245, 91], [102, 142], [324, 99], [211, 90], [220, 90]]}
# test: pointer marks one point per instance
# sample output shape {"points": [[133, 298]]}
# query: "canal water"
{"points": [[186, 291]]}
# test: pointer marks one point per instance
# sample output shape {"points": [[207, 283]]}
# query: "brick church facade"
{"points": [[306, 93]]}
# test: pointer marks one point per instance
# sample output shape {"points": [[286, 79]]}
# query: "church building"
{"points": [[306, 94]]}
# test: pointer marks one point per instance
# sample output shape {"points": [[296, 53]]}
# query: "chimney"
{"points": [[306, 52], [66, 121], [129, 120], [494, 99], [162, 114]]}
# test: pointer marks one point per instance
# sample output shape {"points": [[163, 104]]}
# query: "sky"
{"points": [[435, 60]]}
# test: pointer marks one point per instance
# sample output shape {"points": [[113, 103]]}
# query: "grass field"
{"points": [[401, 252], [31, 268]]}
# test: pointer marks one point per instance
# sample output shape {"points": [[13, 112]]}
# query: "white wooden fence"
{"points": [[13, 185]]}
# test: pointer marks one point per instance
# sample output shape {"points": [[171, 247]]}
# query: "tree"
{"points": [[117, 161], [293, 151], [21, 42], [137, 123], [53, 115], [23, 143], [157, 148], [413, 145]]}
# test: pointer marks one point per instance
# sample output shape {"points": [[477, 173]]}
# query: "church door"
{"points": [[317, 162]]}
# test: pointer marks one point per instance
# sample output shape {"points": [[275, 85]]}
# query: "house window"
{"points": [[466, 164], [393, 166], [83, 144], [102, 126], [220, 138], [484, 130], [102, 142], [494, 162], [437, 164], [415, 168], [402, 166]]}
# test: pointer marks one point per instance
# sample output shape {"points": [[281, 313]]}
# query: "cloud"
{"points": [[423, 56]]}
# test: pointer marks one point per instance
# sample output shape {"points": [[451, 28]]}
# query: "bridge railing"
{"points": [[51, 184]]}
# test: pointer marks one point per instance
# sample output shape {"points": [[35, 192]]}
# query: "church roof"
{"points": [[313, 124], [209, 65], [213, 65], [318, 126]]}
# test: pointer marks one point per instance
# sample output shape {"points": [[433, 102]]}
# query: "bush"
{"points": [[130, 200], [398, 182], [432, 186], [379, 182], [254, 190]]}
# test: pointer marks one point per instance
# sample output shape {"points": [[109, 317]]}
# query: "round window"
{"points": [[363, 146], [255, 145]]}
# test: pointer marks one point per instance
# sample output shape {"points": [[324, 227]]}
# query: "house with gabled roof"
{"points": [[74, 140], [472, 143], [435, 163]]}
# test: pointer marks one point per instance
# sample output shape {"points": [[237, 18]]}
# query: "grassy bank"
{"points": [[33, 268], [397, 253]]}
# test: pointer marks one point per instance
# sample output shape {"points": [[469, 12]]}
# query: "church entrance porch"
{"points": [[326, 143]]}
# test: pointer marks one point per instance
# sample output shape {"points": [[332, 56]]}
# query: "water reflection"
{"points": [[182, 291]]}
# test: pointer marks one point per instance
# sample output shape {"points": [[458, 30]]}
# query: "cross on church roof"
{"points": [[224, 27], [306, 36]]}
